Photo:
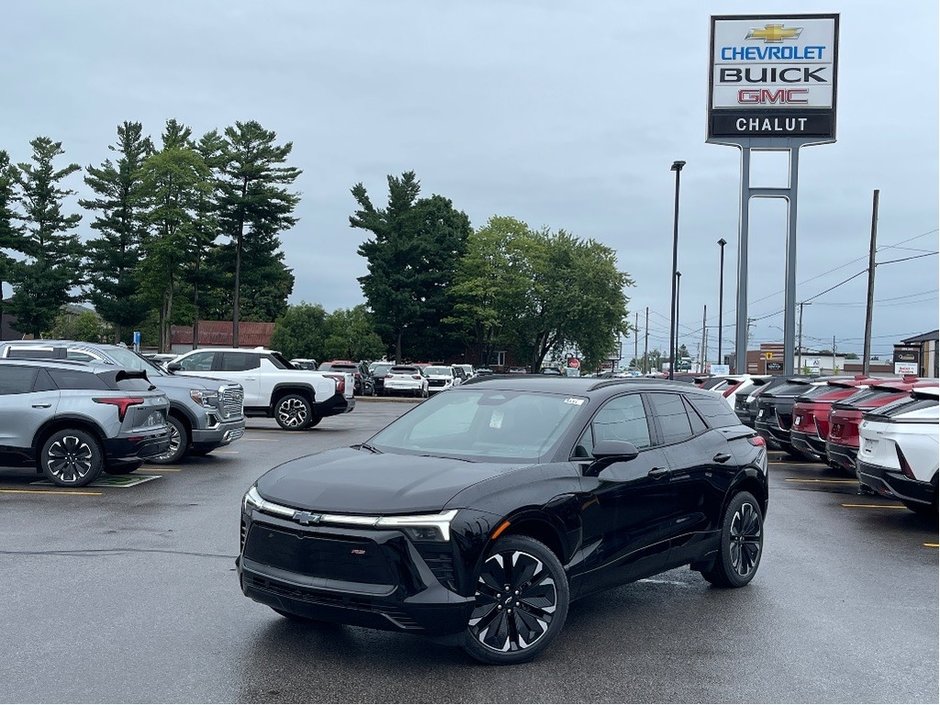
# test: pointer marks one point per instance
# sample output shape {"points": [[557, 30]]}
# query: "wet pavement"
{"points": [[129, 594]]}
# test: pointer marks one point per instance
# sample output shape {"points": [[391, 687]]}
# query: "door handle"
{"points": [[721, 458], [657, 473], [249, 379], [41, 406]]}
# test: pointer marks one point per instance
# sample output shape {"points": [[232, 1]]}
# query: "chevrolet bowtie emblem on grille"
{"points": [[307, 518], [774, 33]]}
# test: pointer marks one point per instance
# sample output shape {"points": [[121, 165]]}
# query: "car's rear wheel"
{"points": [[314, 420], [742, 543], [71, 457], [292, 412], [521, 602], [179, 443]]}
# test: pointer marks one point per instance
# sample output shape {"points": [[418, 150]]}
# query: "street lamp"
{"points": [[676, 167], [677, 280], [800, 343], [721, 296]]}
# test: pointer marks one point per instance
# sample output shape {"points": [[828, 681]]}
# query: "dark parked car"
{"points": [[479, 515], [363, 383], [379, 370], [775, 411]]}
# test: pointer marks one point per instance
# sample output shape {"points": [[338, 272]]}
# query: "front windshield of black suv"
{"points": [[482, 424]]}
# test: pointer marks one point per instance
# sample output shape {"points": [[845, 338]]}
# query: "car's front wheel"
{"points": [[521, 602], [71, 458], [742, 543], [292, 412]]}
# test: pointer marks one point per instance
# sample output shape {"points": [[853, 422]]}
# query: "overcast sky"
{"points": [[564, 114]]}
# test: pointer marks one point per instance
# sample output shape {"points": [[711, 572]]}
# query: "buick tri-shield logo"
{"points": [[307, 518]]}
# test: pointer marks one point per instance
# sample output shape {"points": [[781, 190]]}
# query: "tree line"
{"points": [[185, 228], [437, 289]]}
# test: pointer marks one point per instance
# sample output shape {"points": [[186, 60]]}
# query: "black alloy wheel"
{"points": [[742, 543], [71, 458], [292, 412], [521, 602]]}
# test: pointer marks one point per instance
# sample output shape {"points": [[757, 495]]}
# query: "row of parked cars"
{"points": [[74, 410], [884, 431]]}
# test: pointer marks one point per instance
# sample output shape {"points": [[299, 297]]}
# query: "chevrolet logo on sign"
{"points": [[775, 33]]}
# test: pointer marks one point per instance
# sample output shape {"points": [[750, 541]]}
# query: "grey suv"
{"points": [[205, 413], [73, 419]]}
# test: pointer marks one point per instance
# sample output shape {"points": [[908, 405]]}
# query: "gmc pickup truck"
{"points": [[274, 388]]}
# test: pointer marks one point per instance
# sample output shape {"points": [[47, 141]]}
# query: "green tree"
{"points": [[352, 336], [44, 280], [412, 257], [301, 331], [255, 203], [10, 230], [851, 356], [176, 178], [87, 326], [112, 258]]}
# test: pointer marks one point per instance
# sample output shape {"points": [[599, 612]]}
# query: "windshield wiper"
{"points": [[443, 457], [370, 448]]}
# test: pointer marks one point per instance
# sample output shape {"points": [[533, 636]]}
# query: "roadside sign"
{"points": [[905, 368], [768, 356], [574, 363], [720, 369], [137, 340]]}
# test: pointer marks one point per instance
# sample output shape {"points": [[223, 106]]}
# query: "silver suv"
{"points": [[72, 419], [205, 413]]}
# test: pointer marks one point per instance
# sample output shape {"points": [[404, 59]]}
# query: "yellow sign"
{"points": [[768, 356], [774, 33]]}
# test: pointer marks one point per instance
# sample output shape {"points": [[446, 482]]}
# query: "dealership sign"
{"points": [[773, 76]]}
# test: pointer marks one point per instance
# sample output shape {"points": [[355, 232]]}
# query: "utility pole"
{"points": [[721, 296], [646, 344], [701, 363], [636, 337], [866, 354], [674, 310], [800, 343], [833, 354]]}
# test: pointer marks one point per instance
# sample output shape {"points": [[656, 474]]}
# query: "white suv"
{"points": [[898, 454], [296, 399]]}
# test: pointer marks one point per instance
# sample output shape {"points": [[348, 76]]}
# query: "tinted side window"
{"points": [[198, 362], [77, 379], [80, 356], [669, 412], [715, 410], [17, 380], [698, 426], [238, 362], [134, 384], [620, 419]]}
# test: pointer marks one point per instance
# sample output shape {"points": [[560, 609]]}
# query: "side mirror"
{"points": [[609, 452], [174, 367]]}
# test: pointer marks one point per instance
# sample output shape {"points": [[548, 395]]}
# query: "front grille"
{"points": [[243, 532], [325, 599], [230, 401], [436, 382], [319, 555]]}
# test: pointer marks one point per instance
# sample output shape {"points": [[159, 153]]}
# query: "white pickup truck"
{"points": [[274, 388]]}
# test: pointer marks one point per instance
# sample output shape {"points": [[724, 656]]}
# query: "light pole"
{"points": [[676, 167], [800, 342], [672, 364], [721, 296]]}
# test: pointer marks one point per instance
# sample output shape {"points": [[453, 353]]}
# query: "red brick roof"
{"points": [[251, 334]]}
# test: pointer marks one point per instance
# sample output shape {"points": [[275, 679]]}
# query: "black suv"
{"points": [[479, 515]]}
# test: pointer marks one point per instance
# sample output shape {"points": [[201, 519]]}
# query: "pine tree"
{"points": [[255, 203], [43, 282], [112, 258]]}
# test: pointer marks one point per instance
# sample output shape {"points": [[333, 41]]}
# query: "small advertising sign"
{"points": [[773, 76]]}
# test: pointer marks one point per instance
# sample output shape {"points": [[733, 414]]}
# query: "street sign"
{"points": [[574, 363], [906, 368], [720, 369], [768, 356], [773, 76], [137, 340]]}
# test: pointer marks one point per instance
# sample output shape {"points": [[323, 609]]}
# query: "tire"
{"points": [[314, 420], [293, 412], [179, 443], [200, 452], [540, 609], [123, 468], [71, 457], [742, 543]]}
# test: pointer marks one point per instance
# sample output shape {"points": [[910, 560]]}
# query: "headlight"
{"points": [[206, 397], [251, 500], [422, 527]]}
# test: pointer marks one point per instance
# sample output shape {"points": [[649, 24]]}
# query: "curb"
{"points": [[397, 400]]}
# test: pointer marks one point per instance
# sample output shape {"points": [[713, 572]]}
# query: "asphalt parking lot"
{"points": [[129, 594]]}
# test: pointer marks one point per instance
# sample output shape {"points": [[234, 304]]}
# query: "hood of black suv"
{"points": [[351, 481]]}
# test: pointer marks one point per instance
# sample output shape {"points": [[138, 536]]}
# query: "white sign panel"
{"points": [[720, 369], [905, 368], [773, 76]]}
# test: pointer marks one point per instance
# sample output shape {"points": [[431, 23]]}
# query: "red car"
{"points": [[846, 415], [810, 427]]}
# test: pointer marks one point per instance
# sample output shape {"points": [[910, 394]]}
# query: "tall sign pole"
{"points": [[772, 87], [866, 355]]}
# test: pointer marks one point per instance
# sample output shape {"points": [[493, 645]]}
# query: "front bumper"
{"points": [[336, 404], [403, 387], [892, 483], [841, 455], [218, 436], [130, 448], [808, 443], [369, 578]]}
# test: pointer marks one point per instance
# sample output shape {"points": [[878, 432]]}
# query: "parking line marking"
{"points": [[828, 482], [91, 494], [226, 452], [932, 545], [875, 506], [158, 469]]}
